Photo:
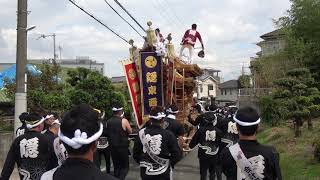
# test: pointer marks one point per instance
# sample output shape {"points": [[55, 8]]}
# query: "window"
{"points": [[230, 91], [210, 87], [201, 88]]}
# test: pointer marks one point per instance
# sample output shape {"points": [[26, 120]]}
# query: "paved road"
{"points": [[186, 169]]}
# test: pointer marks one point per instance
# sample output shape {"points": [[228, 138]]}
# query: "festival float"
{"points": [[156, 76]]}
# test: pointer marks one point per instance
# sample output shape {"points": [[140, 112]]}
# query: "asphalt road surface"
{"points": [[186, 169]]}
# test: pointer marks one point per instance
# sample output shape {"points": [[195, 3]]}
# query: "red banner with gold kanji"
{"points": [[133, 83]]}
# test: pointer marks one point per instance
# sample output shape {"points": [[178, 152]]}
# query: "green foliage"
{"points": [[47, 93], [92, 88], [302, 28], [245, 81], [266, 69], [272, 110], [44, 93], [296, 154]]}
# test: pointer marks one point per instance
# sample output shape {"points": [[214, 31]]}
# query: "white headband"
{"points": [[172, 112], [56, 122], [171, 116], [48, 116], [241, 123], [159, 116], [117, 109], [80, 138], [30, 126]]}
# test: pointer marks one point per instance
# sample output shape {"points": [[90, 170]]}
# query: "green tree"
{"points": [[297, 92], [93, 88], [302, 28], [44, 91], [245, 81]]}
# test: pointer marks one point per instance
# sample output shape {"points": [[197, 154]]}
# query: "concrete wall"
{"points": [[5, 143], [228, 95], [249, 101]]}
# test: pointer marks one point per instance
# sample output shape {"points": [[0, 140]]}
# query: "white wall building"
{"points": [[207, 84]]}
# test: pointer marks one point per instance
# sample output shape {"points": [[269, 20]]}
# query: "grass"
{"points": [[296, 154]]}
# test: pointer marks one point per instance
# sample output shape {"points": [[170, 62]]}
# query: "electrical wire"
{"points": [[166, 11], [99, 21], [123, 18], [124, 9], [174, 13]]}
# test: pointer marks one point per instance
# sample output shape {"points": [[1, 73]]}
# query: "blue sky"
{"points": [[230, 29]]}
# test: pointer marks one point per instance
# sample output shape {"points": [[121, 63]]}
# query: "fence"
{"points": [[254, 92]]}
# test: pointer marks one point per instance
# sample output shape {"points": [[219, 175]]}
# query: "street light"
{"points": [[31, 28], [54, 43]]}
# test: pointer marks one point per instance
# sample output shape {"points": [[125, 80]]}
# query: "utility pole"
{"points": [[54, 47], [54, 43], [60, 49], [21, 61]]}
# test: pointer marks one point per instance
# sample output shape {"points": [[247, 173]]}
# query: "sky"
{"points": [[230, 29]]}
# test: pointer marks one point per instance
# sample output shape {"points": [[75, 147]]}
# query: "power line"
{"points": [[162, 11], [99, 21], [174, 13], [129, 15], [123, 18]]}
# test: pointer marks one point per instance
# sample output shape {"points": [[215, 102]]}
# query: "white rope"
{"points": [[172, 112], [30, 126], [117, 109], [159, 116], [48, 116], [80, 138]]}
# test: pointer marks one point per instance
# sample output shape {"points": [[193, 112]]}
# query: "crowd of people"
{"points": [[50, 148]]}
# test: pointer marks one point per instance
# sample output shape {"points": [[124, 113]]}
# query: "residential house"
{"points": [[207, 84], [118, 80], [228, 93], [273, 42]]}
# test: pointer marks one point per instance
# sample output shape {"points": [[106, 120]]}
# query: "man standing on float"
{"points": [[189, 40]]}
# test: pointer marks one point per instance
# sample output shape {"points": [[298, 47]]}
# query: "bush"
{"points": [[317, 149]]}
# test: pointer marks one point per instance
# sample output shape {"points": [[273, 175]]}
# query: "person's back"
{"points": [[209, 139], [248, 159], [230, 132], [173, 126], [79, 169], [118, 128], [29, 151], [117, 136], [79, 131], [156, 149], [263, 158]]}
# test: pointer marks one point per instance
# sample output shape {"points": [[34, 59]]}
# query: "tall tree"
{"points": [[297, 91], [303, 33], [93, 88]]}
